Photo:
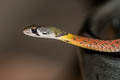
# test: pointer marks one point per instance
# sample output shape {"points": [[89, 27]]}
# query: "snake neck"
{"points": [[75, 40], [92, 44]]}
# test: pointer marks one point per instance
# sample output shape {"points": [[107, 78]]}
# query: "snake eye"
{"points": [[34, 31]]}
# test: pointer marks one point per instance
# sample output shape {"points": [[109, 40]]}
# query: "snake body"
{"points": [[80, 41]]}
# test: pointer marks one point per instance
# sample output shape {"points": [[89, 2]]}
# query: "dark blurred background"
{"points": [[27, 58]]}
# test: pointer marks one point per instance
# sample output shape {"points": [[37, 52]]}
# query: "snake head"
{"points": [[43, 31]]}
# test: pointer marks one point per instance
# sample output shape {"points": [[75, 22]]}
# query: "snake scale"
{"points": [[80, 41]]}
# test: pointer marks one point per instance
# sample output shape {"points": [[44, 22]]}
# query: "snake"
{"points": [[52, 32]]}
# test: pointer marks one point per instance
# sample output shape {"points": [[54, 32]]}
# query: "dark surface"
{"points": [[105, 25]]}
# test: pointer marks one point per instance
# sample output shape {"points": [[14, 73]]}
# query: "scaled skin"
{"points": [[84, 42], [92, 44]]}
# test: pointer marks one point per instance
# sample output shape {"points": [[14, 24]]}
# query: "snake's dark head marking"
{"points": [[43, 31], [31, 30]]}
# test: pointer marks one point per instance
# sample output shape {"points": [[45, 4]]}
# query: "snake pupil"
{"points": [[35, 31]]}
